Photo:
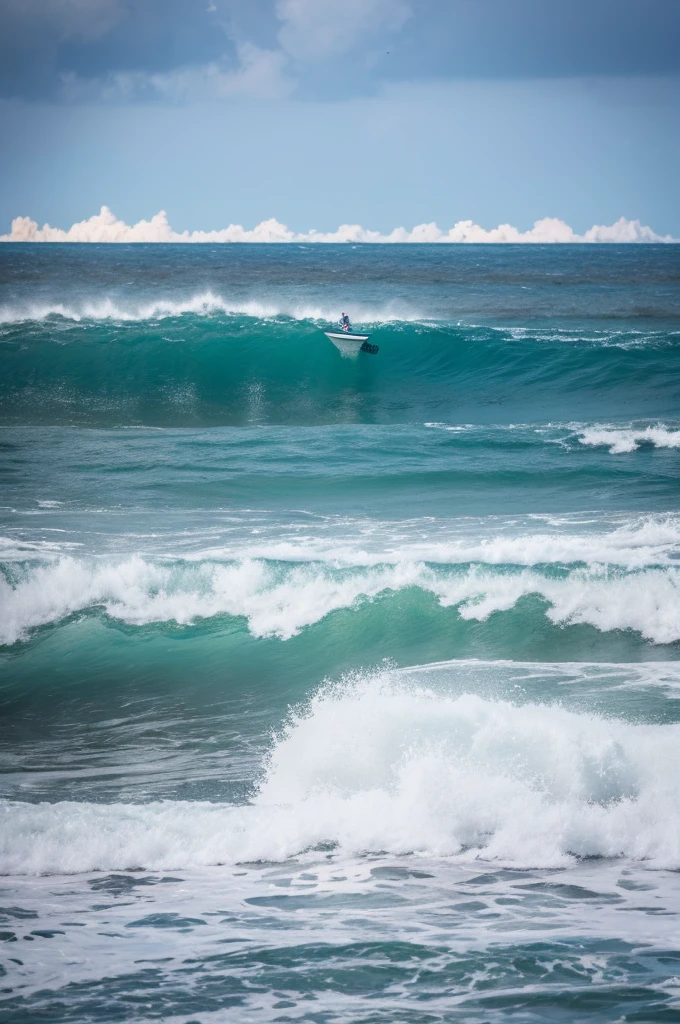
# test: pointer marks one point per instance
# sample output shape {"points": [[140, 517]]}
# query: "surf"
{"points": [[277, 599], [394, 763]]}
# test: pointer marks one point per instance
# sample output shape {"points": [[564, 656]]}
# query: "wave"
{"points": [[630, 542], [344, 541], [280, 600], [384, 764], [628, 439], [201, 304], [618, 438], [117, 308], [211, 366]]}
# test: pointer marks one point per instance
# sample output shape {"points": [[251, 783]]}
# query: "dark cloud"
{"points": [[40, 43], [538, 38], [152, 36], [44, 44]]}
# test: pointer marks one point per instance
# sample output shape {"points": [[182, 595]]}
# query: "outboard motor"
{"points": [[371, 349]]}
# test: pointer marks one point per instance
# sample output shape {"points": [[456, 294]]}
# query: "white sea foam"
{"points": [[14, 549], [622, 539], [379, 765], [280, 600], [620, 440], [275, 603], [205, 303], [633, 543]]}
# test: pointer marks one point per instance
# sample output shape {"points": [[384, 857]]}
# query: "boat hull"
{"points": [[347, 342]]}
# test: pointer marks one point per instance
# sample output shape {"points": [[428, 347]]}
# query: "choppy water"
{"points": [[339, 690]]}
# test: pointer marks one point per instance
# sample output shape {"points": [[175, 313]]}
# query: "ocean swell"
{"points": [[208, 362]]}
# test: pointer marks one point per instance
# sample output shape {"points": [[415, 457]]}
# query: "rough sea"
{"points": [[341, 691]]}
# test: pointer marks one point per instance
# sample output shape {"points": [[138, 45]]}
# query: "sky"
{"points": [[312, 114]]}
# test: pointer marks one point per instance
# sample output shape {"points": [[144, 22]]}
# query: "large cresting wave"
{"points": [[208, 361], [385, 764], [280, 599], [117, 309]]}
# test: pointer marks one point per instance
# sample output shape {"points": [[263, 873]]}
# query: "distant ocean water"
{"points": [[339, 690]]}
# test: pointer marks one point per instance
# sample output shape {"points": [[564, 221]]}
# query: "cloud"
{"points": [[42, 40], [87, 19], [309, 29], [104, 227], [317, 28], [260, 74]]}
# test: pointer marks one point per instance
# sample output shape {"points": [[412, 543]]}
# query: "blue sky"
{"points": [[321, 112]]}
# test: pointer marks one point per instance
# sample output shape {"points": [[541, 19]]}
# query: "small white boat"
{"points": [[350, 343]]}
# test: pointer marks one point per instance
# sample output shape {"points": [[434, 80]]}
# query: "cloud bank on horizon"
{"points": [[105, 227]]}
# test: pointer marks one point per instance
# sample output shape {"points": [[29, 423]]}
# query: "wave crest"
{"points": [[380, 764], [204, 304], [628, 439], [280, 600]]}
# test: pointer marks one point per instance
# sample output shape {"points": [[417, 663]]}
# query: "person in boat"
{"points": [[344, 322]]}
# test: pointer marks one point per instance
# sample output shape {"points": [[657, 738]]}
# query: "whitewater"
{"points": [[339, 690]]}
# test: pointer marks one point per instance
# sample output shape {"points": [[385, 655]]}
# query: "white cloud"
{"points": [[260, 74], [316, 28], [104, 227], [623, 231]]}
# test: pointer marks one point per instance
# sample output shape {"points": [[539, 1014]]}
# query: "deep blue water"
{"points": [[333, 689]]}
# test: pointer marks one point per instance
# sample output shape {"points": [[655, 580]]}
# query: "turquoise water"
{"points": [[339, 689]]}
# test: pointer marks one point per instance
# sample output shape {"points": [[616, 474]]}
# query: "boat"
{"points": [[350, 343]]}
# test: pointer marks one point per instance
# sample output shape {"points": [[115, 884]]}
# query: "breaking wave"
{"points": [[281, 599], [202, 304], [381, 764], [628, 439]]}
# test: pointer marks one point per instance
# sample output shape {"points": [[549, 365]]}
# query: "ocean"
{"points": [[337, 690]]}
